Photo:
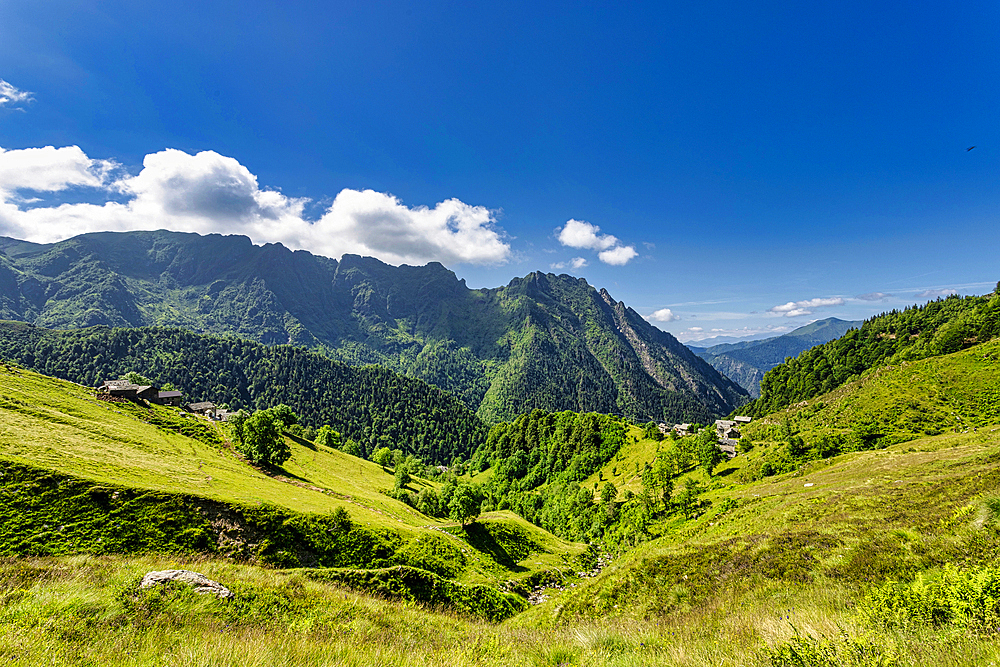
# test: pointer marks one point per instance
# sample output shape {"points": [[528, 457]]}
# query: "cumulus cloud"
{"points": [[212, 193], [12, 96], [575, 263], [695, 329], [663, 315], [799, 308], [583, 235], [619, 256], [50, 169], [580, 234], [935, 293], [873, 296]]}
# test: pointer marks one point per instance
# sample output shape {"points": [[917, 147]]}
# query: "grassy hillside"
{"points": [[115, 462], [937, 328], [787, 569], [371, 405]]}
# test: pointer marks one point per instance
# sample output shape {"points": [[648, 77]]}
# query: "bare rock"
{"points": [[200, 582]]}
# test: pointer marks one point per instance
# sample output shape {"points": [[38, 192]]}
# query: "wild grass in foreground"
{"points": [[88, 610]]}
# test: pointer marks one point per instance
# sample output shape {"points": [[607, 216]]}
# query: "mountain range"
{"points": [[745, 362], [544, 341]]}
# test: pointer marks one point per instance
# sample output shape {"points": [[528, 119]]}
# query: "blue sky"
{"points": [[723, 168]]}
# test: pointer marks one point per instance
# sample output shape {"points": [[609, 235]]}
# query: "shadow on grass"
{"points": [[300, 441], [479, 538]]}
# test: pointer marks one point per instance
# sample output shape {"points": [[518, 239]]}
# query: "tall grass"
{"points": [[88, 610]]}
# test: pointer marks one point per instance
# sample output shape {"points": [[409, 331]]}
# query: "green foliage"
{"points": [[370, 405], [44, 513], [327, 437], [407, 583], [402, 475], [608, 493], [261, 440], [464, 504], [937, 328], [538, 462], [968, 599], [433, 553], [382, 456], [283, 415], [808, 651], [136, 378]]}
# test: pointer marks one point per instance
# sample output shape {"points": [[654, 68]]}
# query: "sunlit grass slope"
{"points": [[842, 523], [87, 610], [956, 392], [625, 468], [60, 426]]}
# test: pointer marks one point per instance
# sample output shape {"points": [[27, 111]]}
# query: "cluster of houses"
{"points": [[123, 389], [726, 430]]}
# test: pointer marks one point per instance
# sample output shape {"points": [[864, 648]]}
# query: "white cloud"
{"points": [[695, 334], [619, 256], [873, 296], [935, 293], [576, 263], [583, 235], [663, 315], [211, 193], [799, 308], [579, 234], [50, 169], [9, 95]]}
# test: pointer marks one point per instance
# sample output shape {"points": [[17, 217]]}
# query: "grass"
{"points": [[625, 467], [61, 427], [771, 572], [87, 610]]}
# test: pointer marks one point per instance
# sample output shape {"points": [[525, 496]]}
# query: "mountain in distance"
{"points": [[745, 362], [544, 341]]}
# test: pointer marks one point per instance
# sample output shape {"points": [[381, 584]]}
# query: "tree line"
{"points": [[370, 406], [939, 327]]}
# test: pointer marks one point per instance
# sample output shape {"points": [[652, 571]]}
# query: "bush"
{"points": [[964, 598]]}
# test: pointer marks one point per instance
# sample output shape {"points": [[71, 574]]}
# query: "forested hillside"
{"points": [[746, 362], [371, 405], [538, 462], [936, 328], [542, 341]]}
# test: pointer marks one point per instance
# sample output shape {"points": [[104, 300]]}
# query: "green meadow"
{"points": [[882, 555]]}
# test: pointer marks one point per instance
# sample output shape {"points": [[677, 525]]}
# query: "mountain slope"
{"points": [[938, 327], [544, 341], [746, 362], [66, 455], [371, 405]]}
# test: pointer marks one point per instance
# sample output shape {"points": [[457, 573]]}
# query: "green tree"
{"points": [[353, 448], [709, 454], [136, 378], [327, 437], [464, 505], [382, 457], [283, 415], [608, 493], [262, 441], [428, 502], [402, 475]]}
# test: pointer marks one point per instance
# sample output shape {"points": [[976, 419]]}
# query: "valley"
{"points": [[791, 549]]}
